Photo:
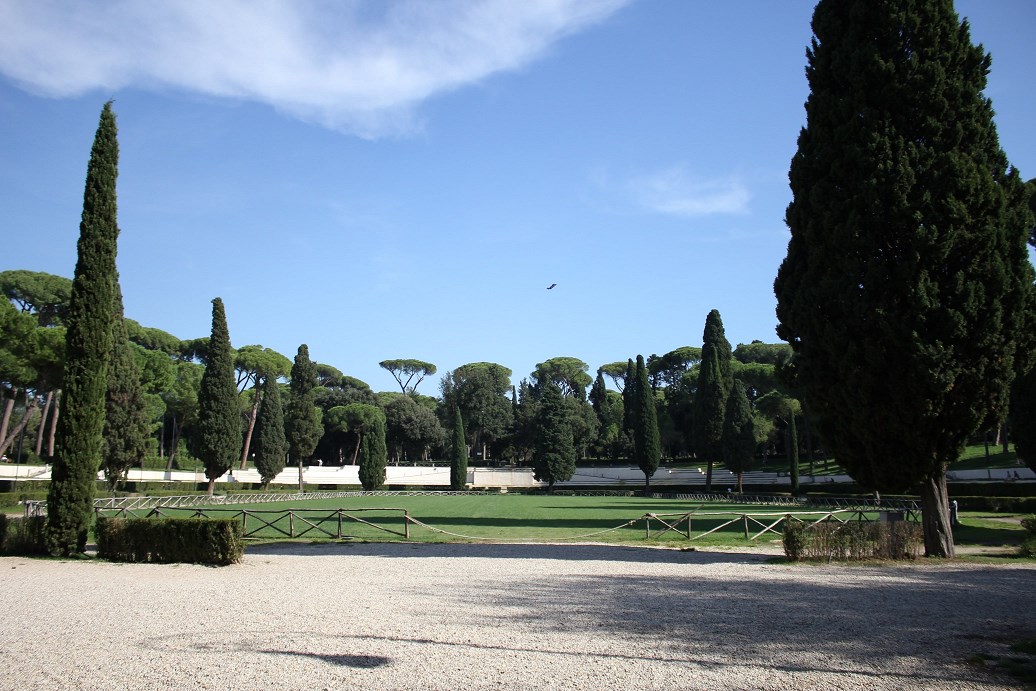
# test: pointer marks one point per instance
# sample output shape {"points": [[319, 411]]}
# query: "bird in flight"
{"points": [[551, 286]]}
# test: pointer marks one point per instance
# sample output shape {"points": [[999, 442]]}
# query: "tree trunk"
{"points": [[212, 485], [708, 476], [175, 434], [30, 411], [8, 409], [793, 454], [54, 423], [251, 425], [356, 451], [740, 482], [935, 517], [38, 449]]}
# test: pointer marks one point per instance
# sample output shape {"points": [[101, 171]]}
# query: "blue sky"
{"points": [[404, 179]]}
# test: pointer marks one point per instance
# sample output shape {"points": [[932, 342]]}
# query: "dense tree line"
{"points": [[906, 302]]}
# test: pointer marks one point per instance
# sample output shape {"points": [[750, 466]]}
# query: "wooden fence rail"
{"points": [[671, 522], [300, 522]]}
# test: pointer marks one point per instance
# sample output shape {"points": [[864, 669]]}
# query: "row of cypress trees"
{"points": [[104, 424]]}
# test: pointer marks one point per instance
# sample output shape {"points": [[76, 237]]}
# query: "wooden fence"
{"points": [[284, 523]]}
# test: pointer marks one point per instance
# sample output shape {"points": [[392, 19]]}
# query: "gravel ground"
{"points": [[421, 616]]}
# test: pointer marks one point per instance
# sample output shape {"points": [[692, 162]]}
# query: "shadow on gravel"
{"points": [[355, 661], [582, 552], [791, 618]]}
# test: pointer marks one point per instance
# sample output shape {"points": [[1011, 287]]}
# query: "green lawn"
{"points": [[514, 517]]}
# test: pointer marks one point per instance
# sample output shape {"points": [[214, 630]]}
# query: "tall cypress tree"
{"points": [[270, 446], [302, 421], [554, 452], [715, 380], [904, 288], [646, 446], [373, 454], [739, 434], [126, 426], [88, 349], [459, 453], [218, 431]]}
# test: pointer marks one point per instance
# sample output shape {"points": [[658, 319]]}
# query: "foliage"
{"points": [[646, 449], [219, 423], [217, 542], [271, 446], [904, 290], [738, 434], [410, 428], [715, 378], [44, 295], [458, 454], [302, 418], [569, 374], [23, 536], [1023, 417], [1028, 546], [480, 390], [127, 418], [851, 541], [373, 454], [757, 352], [554, 457], [88, 349], [400, 368], [667, 370]]}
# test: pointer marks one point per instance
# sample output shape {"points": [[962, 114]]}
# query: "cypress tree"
{"points": [[373, 454], [88, 349], [302, 422], [270, 446], [459, 453], [739, 434], [554, 452], [126, 426], [646, 446], [628, 396], [715, 379], [218, 431], [904, 288]]}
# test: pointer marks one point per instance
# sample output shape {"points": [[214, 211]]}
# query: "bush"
{"points": [[170, 540], [997, 504], [1028, 547], [853, 541], [23, 536]]}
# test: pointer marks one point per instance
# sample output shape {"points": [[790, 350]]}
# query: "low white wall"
{"points": [[494, 478]]}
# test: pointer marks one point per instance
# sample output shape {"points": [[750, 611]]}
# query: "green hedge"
{"points": [[852, 541], [170, 540], [996, 504], [23, 536]]}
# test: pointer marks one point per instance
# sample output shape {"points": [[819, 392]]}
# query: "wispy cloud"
{"points": [[673, 191], [361, 66]]}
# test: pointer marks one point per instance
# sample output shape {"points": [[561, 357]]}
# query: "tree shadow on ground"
{"points": [[567, 552]]}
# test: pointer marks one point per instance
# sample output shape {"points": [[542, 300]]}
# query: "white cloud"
{"points": [[675, 192], [361, 66]]}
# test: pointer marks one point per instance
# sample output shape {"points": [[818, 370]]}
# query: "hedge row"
{"points": [[853, 541], [996, 504], [23, 536], [170, 540]]}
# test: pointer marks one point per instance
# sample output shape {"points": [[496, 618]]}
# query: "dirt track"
{"points": [[506, 616]]}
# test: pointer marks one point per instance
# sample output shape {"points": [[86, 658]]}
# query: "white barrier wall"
{"points": [[495, 478]]}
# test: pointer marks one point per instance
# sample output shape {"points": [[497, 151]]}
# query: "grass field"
{"points": [[513, 518], [545, 518]]}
